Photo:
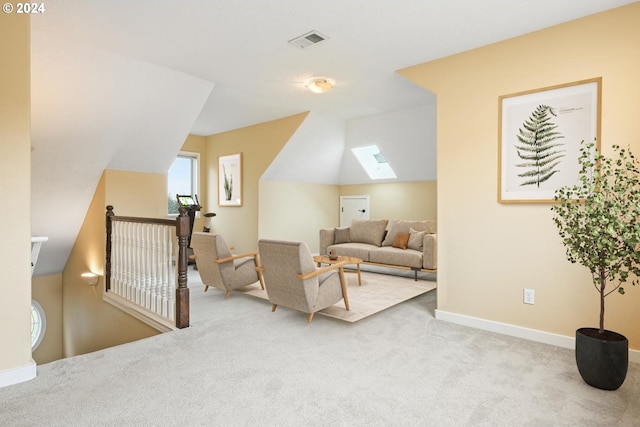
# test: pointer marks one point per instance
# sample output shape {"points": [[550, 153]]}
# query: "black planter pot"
{"points": [[602, 359]]}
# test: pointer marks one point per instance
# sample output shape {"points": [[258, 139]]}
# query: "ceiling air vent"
{"points": [[308, 39]]}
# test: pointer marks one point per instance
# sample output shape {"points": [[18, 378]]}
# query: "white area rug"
{"points": [[378, 292]]}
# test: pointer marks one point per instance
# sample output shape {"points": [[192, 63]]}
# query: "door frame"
{"points": [[361, 196]]}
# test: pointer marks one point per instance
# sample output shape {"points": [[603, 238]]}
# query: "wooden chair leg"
{"points": [[206, 287], [309, 317], [259, 269], [343, 284], [227, 294], [273, 307]]}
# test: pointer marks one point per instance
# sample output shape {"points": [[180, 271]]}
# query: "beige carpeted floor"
{"points": [[239, 364], [377, 292]]}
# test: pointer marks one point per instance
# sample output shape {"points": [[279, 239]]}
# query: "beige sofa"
{"points": [[395, 243]]}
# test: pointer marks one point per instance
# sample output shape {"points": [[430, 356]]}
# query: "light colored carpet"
{"points": [[241, 365], [378, 292]]}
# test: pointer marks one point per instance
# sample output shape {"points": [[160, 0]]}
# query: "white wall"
{"points": [[313, 154], [407, 138]]}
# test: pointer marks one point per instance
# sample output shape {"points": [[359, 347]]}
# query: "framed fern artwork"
{"points": [[230, 180], [540, 135]]}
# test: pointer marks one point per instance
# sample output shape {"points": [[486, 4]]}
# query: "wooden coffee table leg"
{"points": [[359, 278]]}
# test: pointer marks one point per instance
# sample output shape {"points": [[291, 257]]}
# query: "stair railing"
{"points": [[146, 268]]}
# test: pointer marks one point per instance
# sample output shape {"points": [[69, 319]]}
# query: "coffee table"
{"points": [[324, 259]]}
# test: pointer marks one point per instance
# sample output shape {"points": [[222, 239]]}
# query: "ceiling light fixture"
{"points": [[319, 84]]}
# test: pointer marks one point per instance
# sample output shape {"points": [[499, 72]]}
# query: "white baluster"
{"points": [[137, 297], [144, 268], [130, 262], [171, 286], [123, 257], [143, 265], [152, 268], [116, 259], [164, 273]]}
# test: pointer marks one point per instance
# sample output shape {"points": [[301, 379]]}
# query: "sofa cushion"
{"points": [[342, 235], [401, 226], [416, 240], [401, 240], [357, 250], [395, 256], [369, 231]]}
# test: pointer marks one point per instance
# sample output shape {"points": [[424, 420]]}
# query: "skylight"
{"points": [[374, 162]]}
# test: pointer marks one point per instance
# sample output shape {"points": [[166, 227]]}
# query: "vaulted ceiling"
{"points": [[120, 84]]}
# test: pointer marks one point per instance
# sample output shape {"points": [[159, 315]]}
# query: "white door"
{"points": [[353, 207]]}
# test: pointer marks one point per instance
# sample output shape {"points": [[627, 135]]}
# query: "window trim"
{"points": [[42, 324], [195, 176]]}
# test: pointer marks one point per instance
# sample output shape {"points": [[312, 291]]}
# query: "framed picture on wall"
{"points": [[539, 139], [230, 180]]}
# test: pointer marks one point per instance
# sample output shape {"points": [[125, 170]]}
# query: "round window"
{"points": [[38, 324]]}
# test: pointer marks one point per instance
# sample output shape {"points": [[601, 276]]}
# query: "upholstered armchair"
{"points": [[292, 279], [219, 268]]}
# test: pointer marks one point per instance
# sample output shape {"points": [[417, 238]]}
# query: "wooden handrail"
{"points": [[136, 219]]}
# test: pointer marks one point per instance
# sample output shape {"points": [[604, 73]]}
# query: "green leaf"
{"points": [[537, 148], [598, 222]]}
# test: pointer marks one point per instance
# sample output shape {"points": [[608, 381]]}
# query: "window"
{"points": [[38, 324], [374, 162], [182, 179]]}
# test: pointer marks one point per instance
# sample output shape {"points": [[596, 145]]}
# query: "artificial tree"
{"points": [[599, 223], [599, 219]]}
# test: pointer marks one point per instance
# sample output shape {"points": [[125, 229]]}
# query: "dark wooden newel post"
{"points": [[183, 229], [107, 273]]}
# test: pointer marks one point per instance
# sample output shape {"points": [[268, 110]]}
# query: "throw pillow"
{"points": [[367, 231], [390, 235], [416, 240], [401, 240], [404, 226], [341, 235]]}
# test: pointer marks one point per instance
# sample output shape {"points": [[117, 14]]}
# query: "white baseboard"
{"points": [[145, 316], [517, 331], [18, 375]]}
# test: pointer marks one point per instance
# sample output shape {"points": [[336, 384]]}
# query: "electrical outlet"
{"points": [[529, 296]]}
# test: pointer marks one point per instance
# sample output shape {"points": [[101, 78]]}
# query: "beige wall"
{"points": [[296, 211], [15, 183], [488, 252], [259, 145], [136, 193], [47, 291], [89, 323], [402, 200]]}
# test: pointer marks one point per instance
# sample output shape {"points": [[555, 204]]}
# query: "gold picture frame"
{"points": [[230, 180], [539, 139]]}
